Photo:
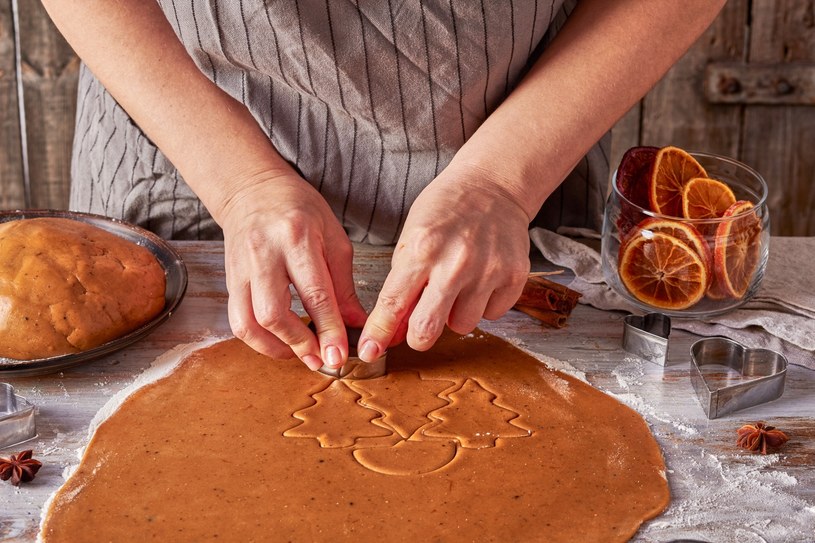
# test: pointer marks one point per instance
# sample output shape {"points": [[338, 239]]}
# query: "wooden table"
{"points": [[720, 493]]}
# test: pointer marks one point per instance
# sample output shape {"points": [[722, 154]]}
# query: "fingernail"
{"points": [[313, 362], [369, 351], [333, 357]]}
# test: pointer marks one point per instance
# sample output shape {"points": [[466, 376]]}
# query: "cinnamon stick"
{"points": [[552, 318], [539, 296], [545, 294], [549, 302]]}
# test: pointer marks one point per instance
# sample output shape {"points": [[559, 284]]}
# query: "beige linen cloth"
{"points": [[781, 316]]}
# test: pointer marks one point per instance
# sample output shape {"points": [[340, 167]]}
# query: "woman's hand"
{"points": [[462, 255], [278, 231], [463, 250]]}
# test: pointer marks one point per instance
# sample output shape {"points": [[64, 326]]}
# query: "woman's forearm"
{"points": [[607, 56], [211, 138]]}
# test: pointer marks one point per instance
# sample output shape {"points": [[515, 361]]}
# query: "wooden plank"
{"points": [[676, 113], [778, 139], [717, 489], [669, 113], [12, 188], [791, 84], [50, 74], [664, 123]]}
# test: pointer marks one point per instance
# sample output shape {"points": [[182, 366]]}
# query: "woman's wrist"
{"points": [[233, 196], [501, 174]]}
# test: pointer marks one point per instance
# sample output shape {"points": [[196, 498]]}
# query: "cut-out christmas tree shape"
{"points": [[404, 399], [336, 419], [403, 424], [474, 418]]}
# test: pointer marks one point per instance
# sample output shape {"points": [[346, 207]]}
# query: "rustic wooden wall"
{"points": [[764, 115], [49, 71], [767, 123], [12, 191], [779, 140]]}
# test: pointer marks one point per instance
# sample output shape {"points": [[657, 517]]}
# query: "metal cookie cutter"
{"points": [[17, 422], [722, 392], [647, 336], [355, 367]]}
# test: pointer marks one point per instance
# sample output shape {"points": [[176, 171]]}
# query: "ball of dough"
{"points": [[67, 286]]}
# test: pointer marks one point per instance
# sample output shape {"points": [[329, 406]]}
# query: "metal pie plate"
{"points": [[17, 422], [727, 376], [175, 274]]}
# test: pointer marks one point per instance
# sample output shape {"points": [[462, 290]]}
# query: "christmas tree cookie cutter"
{"points": [[355, 367], [17, 423]]}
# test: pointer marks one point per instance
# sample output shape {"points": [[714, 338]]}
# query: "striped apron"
{"points": [[368, 99]]}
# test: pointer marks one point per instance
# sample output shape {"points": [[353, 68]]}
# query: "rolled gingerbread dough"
{"points": [[472, 441]]}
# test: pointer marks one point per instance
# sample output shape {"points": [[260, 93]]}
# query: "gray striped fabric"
{"points": [[368, 99]]}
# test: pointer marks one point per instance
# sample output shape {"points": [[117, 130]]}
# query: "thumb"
{"points": [[393, 307]]}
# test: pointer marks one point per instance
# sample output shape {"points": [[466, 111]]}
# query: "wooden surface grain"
{"points": [[720, 493], [773, 139], [783, 34], [700, 126], [50, 71], [675, 112], [12, 189]]}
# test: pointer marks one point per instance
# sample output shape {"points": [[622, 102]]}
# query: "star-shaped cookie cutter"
{"points": [[17, 422], [760, 379]]}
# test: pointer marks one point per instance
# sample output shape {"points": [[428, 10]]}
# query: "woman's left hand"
{"points": [[463, 254]]}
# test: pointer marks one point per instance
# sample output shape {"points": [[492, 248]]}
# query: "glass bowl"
{"points": [[692, 268]]}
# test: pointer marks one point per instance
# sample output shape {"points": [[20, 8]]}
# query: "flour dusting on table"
{"points": [[722, 490]]}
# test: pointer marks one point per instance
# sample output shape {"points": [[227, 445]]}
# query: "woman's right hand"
{"points": [[278, 230]]}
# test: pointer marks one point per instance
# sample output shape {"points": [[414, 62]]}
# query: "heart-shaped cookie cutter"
{"points": [[647, 336], [720, 393], [17, 422]]}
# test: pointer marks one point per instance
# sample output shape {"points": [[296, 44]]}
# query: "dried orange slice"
{"points": [[683, 232], [634, 174], [633, 178], [715, 290], [673, 168], [663, 271], [737, 249], [704, 198]]}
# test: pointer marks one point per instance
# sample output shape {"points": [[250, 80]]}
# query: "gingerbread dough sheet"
{"points": [[474, 440]]}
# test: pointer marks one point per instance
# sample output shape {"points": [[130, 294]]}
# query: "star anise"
{"points": [[759, 436], [20, 468]]}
